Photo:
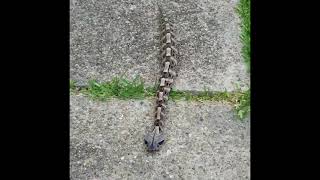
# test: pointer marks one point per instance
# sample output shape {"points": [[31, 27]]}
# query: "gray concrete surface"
{"points": [[204, 141], [110, 38]]}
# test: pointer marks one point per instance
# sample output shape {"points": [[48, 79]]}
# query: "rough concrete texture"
{"points": [[110, 38], [204, 141]]}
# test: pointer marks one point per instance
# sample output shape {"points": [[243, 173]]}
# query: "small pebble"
{"points": [[168, 152], [132, 7]]}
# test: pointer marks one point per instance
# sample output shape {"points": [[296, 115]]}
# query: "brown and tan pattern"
{"points": [[168, 57]]}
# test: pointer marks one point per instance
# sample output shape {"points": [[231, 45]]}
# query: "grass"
{"points": [[242, 106], [124, 89], [72, 85], [117, 88], [243, 10], [229, 97]]}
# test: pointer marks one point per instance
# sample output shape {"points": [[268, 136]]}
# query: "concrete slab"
{"points": [[204, 141], [210, 48], [113, 38]]}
